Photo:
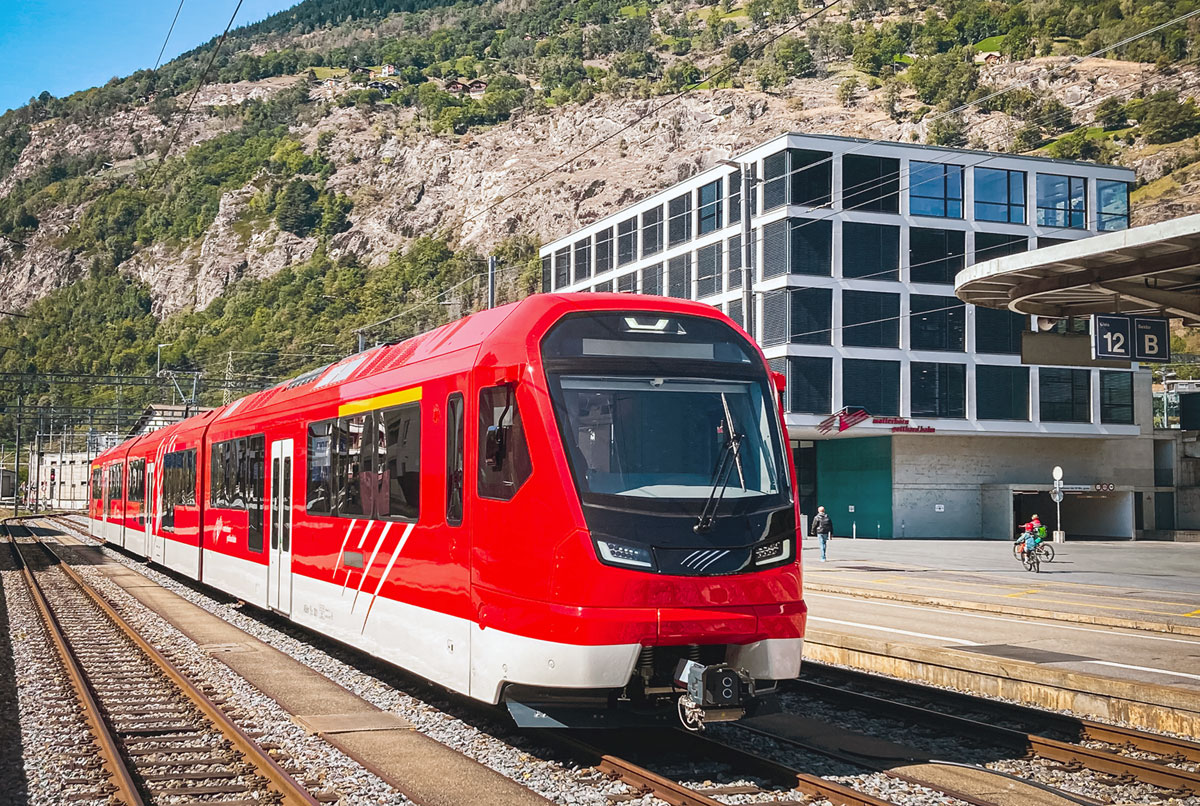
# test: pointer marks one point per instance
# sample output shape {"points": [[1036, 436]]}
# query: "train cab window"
{"points": [[504, 462], [137, 480], [455, 437]]}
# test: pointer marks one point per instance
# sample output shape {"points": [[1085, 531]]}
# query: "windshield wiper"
{"points": [[730, 457]]}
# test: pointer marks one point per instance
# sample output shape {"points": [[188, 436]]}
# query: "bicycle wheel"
{"points": [[1031, 561], [1046, 551], [1016, 551]]}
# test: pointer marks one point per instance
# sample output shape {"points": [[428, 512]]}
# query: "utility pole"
{"points": [[17, 464], [37, 464], [362, 341], [491, 281], [227, 397], [749, 180]]}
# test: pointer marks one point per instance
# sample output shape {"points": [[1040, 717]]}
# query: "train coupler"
{"points": [[717, 693]]}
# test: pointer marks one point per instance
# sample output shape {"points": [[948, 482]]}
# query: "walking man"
{"points": [[822, 527]]}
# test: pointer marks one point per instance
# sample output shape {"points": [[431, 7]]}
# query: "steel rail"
{"points": [[120, 777], [1103, 761], [677, 794], [290, 790]]}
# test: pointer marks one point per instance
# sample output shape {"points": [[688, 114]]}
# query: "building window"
{"points": [[872, 385], [774, 324], [627, 283], [1001, 393], [1116, 398], [734, 183], [811, 177], [810, 384], [870, 319], [811, 311], [710, 207], [547, 274], [870, 251], [935, 189], [1065, 395], [1000, 195], [1042, 243], [627, 241], [604, 288], [1061, 201], [775, 248], [1113, 199], [679, 221], [775, 176], [652, 280], [733, 309], [938, 390], [733, 249], [998, 331], [870, 183], [679, 277], [583, 260], [604, 254], [562, 268], [990, 245], [708, 271], [937, 323], [507, 467], [811, 247], [935, 255], [652, 232]]}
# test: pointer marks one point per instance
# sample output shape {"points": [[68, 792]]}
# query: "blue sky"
{"points": [[67, 46]]}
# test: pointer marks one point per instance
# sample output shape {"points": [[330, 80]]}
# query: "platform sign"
{"points": [[1151, 339], [1111, 337]]}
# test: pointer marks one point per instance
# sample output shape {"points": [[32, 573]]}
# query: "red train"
{"points": [[570, 503]]}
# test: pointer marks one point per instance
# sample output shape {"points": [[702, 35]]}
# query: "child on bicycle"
{"points": [[1032, 534]]}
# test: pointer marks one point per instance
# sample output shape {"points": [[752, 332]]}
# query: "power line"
{"points": [[158, 61], [199, 86]]}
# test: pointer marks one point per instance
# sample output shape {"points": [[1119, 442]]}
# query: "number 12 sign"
{"points": [[1110, 337], [1131, 338]]}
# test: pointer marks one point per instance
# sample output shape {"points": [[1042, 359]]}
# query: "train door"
{"points": [[154, 551], [105, 502], [280, 587], [148, 535]]}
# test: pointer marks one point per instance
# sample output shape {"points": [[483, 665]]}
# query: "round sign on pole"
{"points": [[1056, 495], [1057, 473]]}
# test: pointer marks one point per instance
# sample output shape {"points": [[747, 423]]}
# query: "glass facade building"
{"points": [[856, 247]]}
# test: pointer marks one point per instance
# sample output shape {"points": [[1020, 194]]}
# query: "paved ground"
{"points": [[1134, 608]]}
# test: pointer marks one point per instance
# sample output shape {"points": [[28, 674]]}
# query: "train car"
{"points": [[572, 504]]}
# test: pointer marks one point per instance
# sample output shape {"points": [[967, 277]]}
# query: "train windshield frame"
{"points": [[646, 404]]}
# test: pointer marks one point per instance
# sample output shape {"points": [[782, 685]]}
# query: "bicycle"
{"points": [[1029, 555], [1044, 550]]}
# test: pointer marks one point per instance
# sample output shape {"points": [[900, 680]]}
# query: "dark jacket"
{"points": [[821, 524]]}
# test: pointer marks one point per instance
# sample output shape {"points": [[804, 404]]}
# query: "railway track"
{"points": [[158, 738], [1112, 754]]}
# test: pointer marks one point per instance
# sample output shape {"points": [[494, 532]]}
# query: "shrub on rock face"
{"points": [[295, 208]]}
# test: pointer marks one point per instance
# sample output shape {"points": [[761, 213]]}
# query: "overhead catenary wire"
{"points": [[167, 39]]}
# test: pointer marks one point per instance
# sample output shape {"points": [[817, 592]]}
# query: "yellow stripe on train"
{"points": [[380, 401]]}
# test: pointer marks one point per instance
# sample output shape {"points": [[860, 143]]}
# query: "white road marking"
{"points": [[894, 630], [1007, 620], [1144, 669]]}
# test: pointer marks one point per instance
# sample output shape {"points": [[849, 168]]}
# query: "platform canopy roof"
{"points": [[1150, 269]]}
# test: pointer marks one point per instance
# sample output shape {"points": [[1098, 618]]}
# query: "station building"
{"points": [[857, 244]]}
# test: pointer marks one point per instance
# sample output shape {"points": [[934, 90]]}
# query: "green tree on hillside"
{"points": [[296, 210]]}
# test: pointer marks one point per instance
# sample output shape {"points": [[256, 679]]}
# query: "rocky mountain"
{"points": [[342, 132]]}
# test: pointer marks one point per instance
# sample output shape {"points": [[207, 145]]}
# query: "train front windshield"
{"points": [[658, 411]]}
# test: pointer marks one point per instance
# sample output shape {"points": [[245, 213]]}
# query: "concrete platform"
{"points": [[1107, 629]]}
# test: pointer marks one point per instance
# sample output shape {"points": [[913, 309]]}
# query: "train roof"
{"points": [[525, 321]]}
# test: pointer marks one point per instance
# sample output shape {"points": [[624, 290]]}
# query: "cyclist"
{"points": [[1033, 531]]}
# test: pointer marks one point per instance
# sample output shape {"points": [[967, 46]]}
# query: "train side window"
{"points": [[348, 458], [97, 484], [137, 480], [504, 462], [399, 432], [255, 464], [319, 497], [455, 437]]}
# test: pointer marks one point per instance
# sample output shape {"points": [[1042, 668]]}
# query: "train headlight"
{"points": [[612, 552], [772, 553]]}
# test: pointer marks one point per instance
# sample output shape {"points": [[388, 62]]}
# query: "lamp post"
{"points": [[746, 173]]}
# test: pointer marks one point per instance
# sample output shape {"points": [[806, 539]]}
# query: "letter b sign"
{"points": [[1151, 340]]}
